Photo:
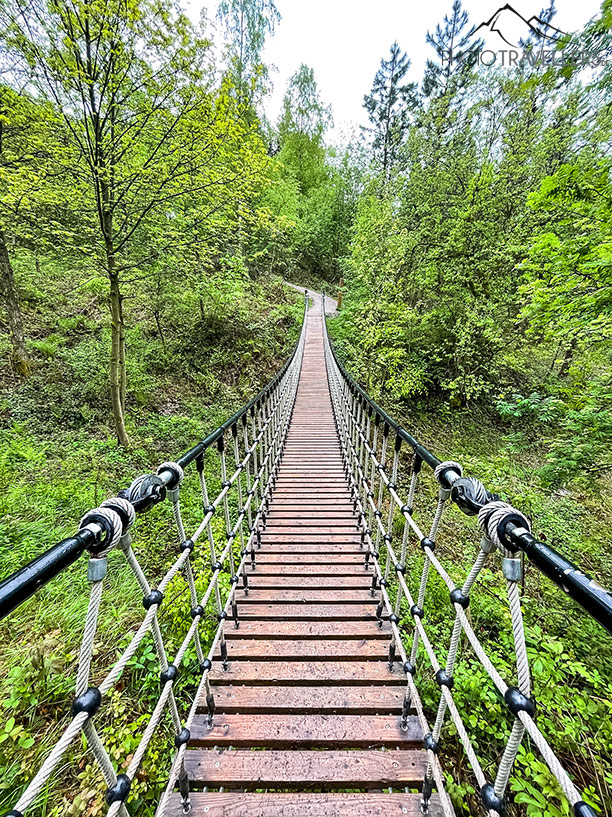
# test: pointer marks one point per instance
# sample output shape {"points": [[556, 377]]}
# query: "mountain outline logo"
{"points": [[506, 17]]}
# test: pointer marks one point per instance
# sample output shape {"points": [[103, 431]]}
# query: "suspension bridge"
{"points": [[307, 698]]}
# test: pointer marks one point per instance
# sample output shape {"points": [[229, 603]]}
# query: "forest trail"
{"points": [[308, 678]]}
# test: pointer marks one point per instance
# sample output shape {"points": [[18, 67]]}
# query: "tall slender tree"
{"points": [[389, 105], [302, 125], [126, 78], [456, 49], [12, 159], [247, 24]]}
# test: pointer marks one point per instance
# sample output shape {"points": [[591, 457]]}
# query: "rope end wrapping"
{"points": [[447, 473], [494, 517], [107, 526], [172, 486]]}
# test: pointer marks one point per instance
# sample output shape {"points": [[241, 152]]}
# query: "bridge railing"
{"points": [[372, 444], [245, 454]]}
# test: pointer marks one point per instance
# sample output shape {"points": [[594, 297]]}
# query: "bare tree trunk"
{"points": [[568, 358], [122, 369], [117, 357], [117, 361], [160, 331], [13, 310]]}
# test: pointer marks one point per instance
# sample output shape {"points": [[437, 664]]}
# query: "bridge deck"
{"points": [[308, 679]]}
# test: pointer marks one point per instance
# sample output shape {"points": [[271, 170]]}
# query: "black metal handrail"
{"points": [[23, 583], [591, 596]]}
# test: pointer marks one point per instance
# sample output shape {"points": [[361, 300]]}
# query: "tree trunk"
{"points": [[117, 361], [117, 357], [568, 357], [160, 331], [8, 289], [122, 369]]}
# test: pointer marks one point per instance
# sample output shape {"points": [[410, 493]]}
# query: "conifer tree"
{"points": [[455, 51], [389, 105]]}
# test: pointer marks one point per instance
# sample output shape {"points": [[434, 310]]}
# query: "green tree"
{"points": [[389, 105], [125, 78], [455, 51], [247, 24], [301, 128]]}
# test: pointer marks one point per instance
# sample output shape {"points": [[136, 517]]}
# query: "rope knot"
{"points": [[144, 492], [494, 517], [106, 525], [447, 472], [177, 473]]}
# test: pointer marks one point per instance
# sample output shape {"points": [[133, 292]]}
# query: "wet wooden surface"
{"points": [[308, 700]]}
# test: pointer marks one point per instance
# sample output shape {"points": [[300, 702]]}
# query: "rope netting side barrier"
{"points": [[373, 445], [245, 454]]}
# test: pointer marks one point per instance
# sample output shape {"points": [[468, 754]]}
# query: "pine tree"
{"points": [[455, 51], [389, 105]]}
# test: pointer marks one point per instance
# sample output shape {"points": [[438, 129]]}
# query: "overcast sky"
{"points": [[344, 40]]}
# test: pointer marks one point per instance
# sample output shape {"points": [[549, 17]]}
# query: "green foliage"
{"points": [[533, 407], [389, 105], [320, 191]]}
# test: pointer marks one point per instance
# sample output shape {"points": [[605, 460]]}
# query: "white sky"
{"points": [[344, 41]]}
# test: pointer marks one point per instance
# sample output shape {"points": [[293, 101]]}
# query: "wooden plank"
{"points": [[256, 649], [274, 769], [294, 460], [304, 700], [323, 507], [307, 596], [304, 477], [303, 470], [309, 630], [319, 529], [289, 520], [295, 612], [298, 582], [331, 538], [279, 516], [306, 731], [313, 804], [322, 502], [309, 570], [313, 547], [308, 673], [310, 491], [296, 557]]}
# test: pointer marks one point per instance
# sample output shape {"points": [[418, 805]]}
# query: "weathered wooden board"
{"points": [[306, 731], [256, 649], [214, 767], [315, 673], [236, 804], [309, 630], [301, 700]]}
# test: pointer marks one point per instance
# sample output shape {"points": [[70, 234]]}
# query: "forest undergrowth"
{"points": [[571, 658], [59, 459]]}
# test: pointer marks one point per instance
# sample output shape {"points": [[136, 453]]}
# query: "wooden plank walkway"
{"points": [[308, 680]]}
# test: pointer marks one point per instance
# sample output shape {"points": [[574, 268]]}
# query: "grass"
{"points": [[58, 459], [570, 654]]}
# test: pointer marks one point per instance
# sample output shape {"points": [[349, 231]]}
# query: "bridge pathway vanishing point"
{"points": [[308, 698], [308, 678]]}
